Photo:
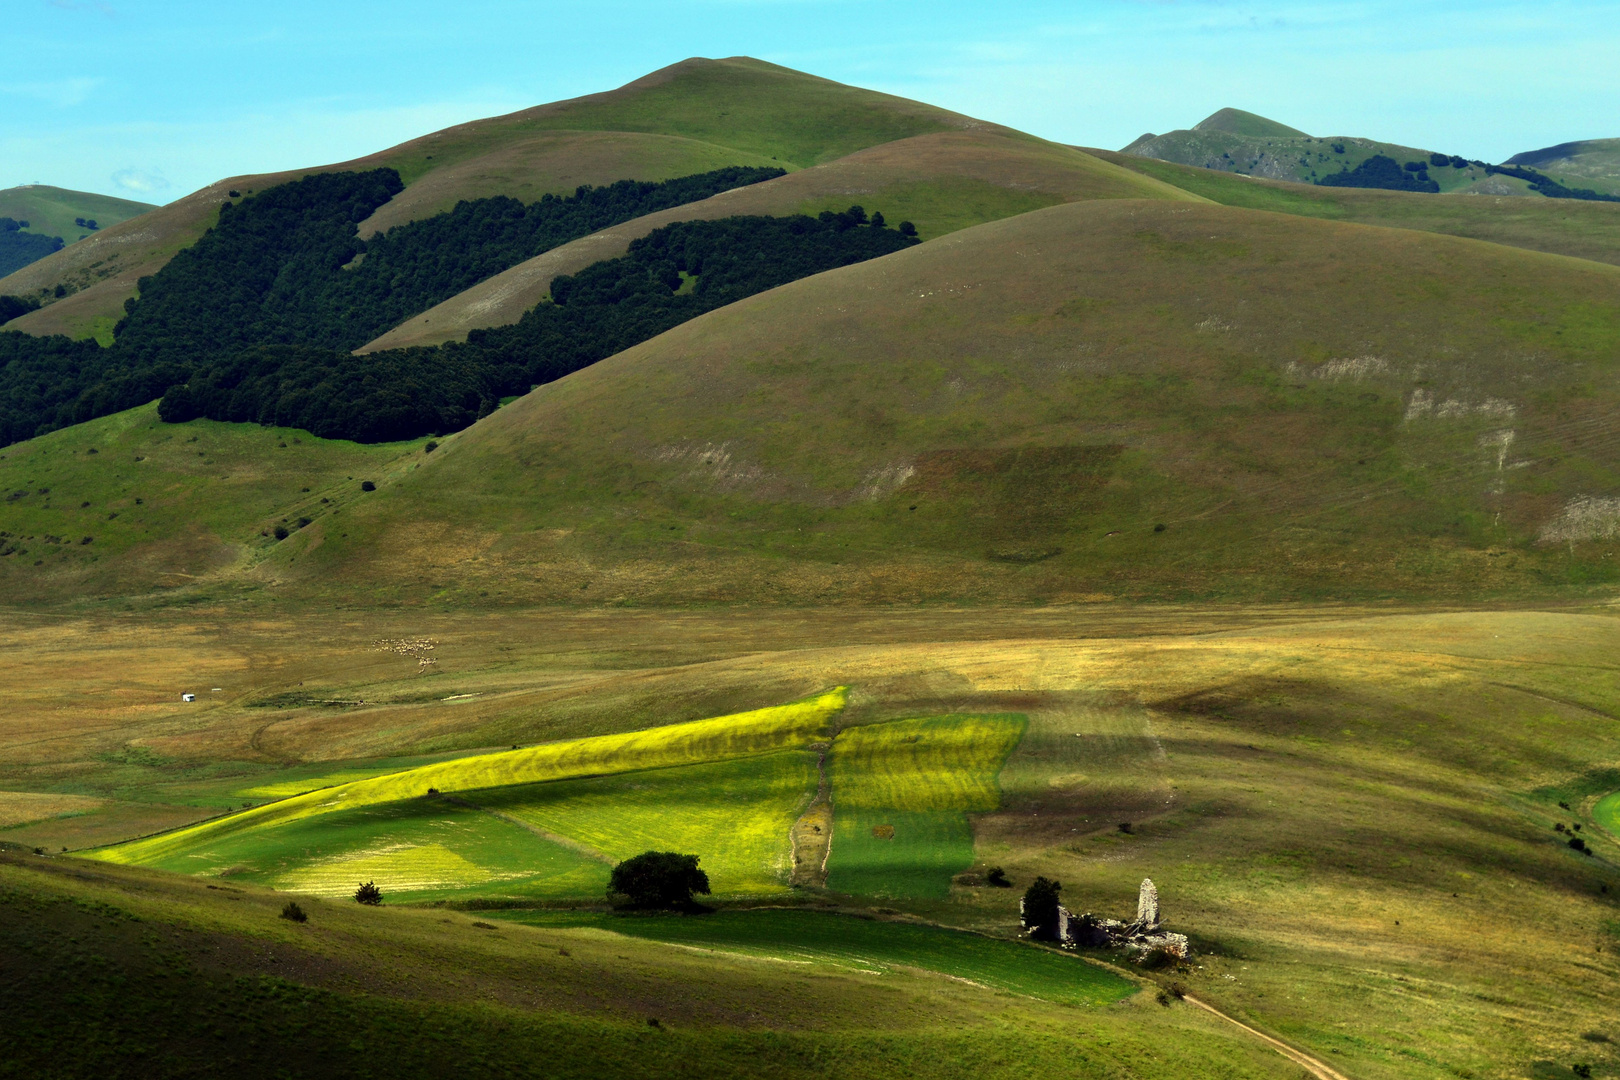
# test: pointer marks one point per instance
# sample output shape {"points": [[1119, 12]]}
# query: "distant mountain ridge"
{"points": [[1246, 143]]}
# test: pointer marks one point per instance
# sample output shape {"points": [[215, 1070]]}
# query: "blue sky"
{"points": [[154, 98]]}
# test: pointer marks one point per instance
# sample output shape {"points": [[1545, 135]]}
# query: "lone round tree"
{"points": [[659, 879]]}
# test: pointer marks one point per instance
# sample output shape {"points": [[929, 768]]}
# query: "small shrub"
{"points": [[1155, 959], [303, 521], [1582, 1069], [367, 485], [1163, 999], [1579, 845], [1041, 908], [998, 877], [368, 894], [293, 913], [652, 1022], [281, 532], [1126, 828], [1564, 805], [1178, 991], [430, 447], [907, 229]]}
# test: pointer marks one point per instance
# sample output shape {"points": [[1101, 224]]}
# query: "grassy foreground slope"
{"points": [[689, 117], [941, 182], [169, 978], [1585, 230], [1115, 398]]}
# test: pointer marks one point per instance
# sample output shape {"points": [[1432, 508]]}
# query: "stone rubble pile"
{"points": [[1142, 935]]}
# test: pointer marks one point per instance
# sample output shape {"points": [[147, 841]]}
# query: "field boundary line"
{"points": [[544, 834], [1318, 1068]]}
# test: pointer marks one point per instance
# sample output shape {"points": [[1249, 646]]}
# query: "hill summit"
{"points": [[1238, 122]]}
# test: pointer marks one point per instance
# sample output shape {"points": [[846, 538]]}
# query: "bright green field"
{"points": [[759, 732], [1607, 813], [866, 945], [548, 821], [920, 779], [421, 849], [735, 814]]}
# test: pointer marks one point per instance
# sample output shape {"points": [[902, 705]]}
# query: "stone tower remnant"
{"points": [[1147, 906]]}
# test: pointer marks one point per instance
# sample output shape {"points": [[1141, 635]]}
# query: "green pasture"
{"points": [[902, 793], [548, 821], [418, 849], [126, 496], [50, 211], [758, 732], [865, 945], [734, 814], [1607, 813]]}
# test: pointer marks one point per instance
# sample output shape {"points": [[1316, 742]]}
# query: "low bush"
{"points": [[368, 894], [293, 913]]}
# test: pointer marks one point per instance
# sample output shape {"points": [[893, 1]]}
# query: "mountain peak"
{"points": [[1238, 122]]}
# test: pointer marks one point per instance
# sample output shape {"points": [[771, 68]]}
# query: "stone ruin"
{"points": [[1143, 935]]}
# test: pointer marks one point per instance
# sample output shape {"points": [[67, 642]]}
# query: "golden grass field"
{"points": [[1349, 810]]}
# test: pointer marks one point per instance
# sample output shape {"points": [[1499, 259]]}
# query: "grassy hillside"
{"points": [[1239, 122], [1238, 142], [51, 211], [1590, 163], [700, 112], [128, 504], [1585, 230], [1307, 408], [941, 182], [554, 163], [180, 979]]}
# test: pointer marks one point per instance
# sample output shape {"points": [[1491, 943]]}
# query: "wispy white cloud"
{"points": [[140, 181]]}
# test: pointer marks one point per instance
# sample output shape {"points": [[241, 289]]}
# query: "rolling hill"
{"points": [[1118, 398], [1583, 229], [57, 212], [942, 182], [1232, 140], [1589, 163], [1127, 398], [692, 116]]}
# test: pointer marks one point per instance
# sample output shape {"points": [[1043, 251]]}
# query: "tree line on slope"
{"points": [[668, 277], [287, 268], [1383, 171], [18, 249]]}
